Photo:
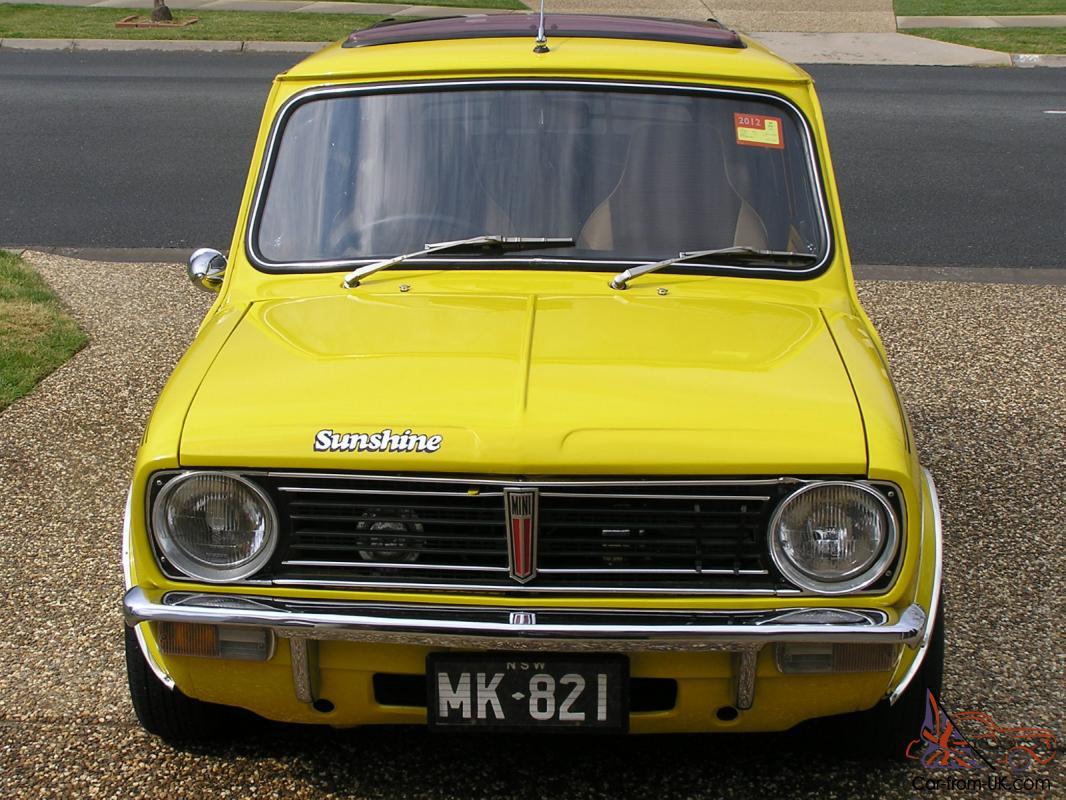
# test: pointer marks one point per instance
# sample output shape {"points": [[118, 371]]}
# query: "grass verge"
{"points": [[977, 8], [36, 335], [1007, 40], [59, 22]]}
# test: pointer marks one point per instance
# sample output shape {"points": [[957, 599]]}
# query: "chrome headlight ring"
{"points": [[183, 558], [851, 582]]}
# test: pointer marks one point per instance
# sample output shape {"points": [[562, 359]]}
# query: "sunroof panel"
{"points": [[492, 26]]}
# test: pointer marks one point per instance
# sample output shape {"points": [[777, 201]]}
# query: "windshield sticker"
{"points": [[326, 441], [756, 131]]}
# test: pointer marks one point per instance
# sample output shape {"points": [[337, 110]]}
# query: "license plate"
{"points": [[549, 691]]}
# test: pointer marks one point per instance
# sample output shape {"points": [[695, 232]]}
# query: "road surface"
{"points": [[936, 166]]}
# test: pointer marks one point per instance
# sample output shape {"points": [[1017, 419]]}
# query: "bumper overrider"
{"points": [[743, 633]]}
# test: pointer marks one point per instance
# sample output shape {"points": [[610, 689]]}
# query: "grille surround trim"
{"points": [[783, 485]]}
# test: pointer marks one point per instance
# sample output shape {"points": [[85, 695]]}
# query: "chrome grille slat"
{"points": [[548, 571], [421, 518], [624, 496], [386, 492], [626, 535], [348, 536], [384, 565]]}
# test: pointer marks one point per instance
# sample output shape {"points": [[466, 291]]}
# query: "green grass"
{"points": [[1008, 40], [977, 8], [59, 22], [36, 335]]}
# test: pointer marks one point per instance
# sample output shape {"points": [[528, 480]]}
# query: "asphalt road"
{"points": [[937, 166]]}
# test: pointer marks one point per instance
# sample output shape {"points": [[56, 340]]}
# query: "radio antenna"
{"points": [[542, 38]]}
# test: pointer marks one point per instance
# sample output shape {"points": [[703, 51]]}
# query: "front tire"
{"points": [[167, 712], [886, 731]]}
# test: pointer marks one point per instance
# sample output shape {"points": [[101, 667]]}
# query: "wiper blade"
{"points": [[505, 244], [734, 253]]}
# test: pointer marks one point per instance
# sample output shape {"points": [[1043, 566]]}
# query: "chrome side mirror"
{"points": [[207, 268]]}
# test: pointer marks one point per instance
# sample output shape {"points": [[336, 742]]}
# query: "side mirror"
{"points": [[207, 268]]}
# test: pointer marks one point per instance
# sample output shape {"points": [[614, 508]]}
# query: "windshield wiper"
{"points": [[503, 244], [735, 253]]}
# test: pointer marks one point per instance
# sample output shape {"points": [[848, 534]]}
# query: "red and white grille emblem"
{"points": [[521, 505]]}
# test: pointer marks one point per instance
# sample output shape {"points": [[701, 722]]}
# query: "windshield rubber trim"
{"points": [[336, 265]]}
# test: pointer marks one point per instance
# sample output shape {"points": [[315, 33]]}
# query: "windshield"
{"points": [[631, 175]]}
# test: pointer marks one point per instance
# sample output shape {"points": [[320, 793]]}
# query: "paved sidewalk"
{"points": [[877, 48], [870, 16], [1017, 21]]}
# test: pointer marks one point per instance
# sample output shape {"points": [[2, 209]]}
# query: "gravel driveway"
{"points": [[982, 369]]}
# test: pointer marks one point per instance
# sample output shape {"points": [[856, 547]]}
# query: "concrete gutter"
{"points": [[161, 45]]}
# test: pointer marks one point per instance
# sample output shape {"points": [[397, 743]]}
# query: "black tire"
{"points": [[885, 731], [168, 713]]}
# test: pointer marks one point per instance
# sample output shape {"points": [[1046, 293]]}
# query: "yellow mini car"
{"points": [[536, 395]]}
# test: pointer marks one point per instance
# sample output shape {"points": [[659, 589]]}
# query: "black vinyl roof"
{"points": [[492, 26]]}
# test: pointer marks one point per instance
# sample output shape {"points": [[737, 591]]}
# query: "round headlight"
{"points": [[833, 537], [215, 526]]}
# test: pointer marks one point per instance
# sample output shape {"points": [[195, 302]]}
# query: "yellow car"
{"points": [[536, 395]]}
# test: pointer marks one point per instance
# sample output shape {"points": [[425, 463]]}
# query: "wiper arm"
{"points": [[736, 253], [506, 244]]}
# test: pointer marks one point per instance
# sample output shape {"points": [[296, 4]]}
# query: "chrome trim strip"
{"points": [[160, 673], [580, 629], [609, 571], [127, 520], [282, 114], [382, 565], [451, 588], [127, 575], [324, 490], [613, 496], [934, 602], [474, 480], [467, 568]]}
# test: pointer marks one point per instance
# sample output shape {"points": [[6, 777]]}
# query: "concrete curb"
{"points": [[284, 47], [1036, 60], [161, 45], [833, 56]]}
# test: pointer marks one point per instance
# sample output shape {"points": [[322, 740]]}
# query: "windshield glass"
{"points": [[631, 175]]}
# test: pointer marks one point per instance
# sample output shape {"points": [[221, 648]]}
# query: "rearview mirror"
{"points": [[207, 268]]}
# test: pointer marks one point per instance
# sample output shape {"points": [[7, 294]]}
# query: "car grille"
{"points": [[452, 532]]}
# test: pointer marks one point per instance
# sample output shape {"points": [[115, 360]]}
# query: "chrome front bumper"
{"points": [[304, 622], [600, 630]]}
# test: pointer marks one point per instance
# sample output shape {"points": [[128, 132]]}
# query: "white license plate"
{"points": [[470, 690]]}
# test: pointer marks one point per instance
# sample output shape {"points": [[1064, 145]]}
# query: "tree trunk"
{"points": [[160, 12]]}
